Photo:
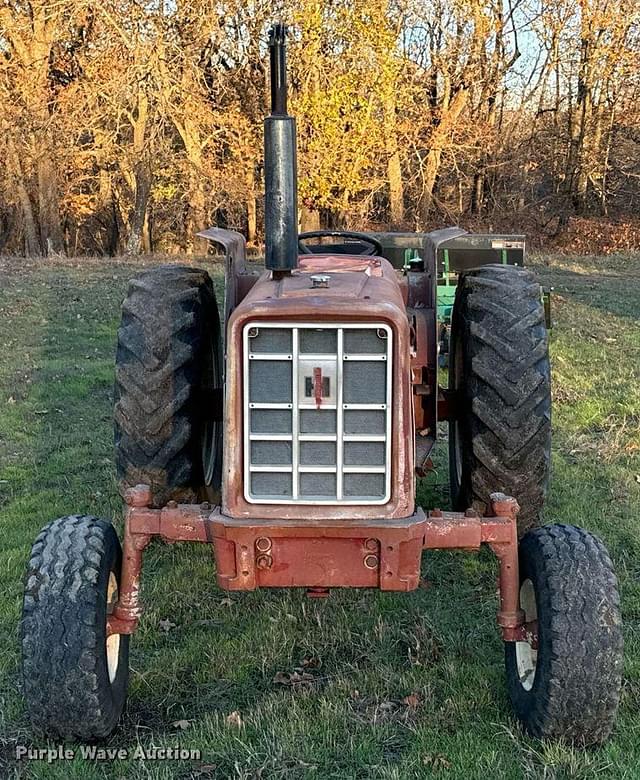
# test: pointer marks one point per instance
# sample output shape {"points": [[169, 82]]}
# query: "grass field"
{"points": [[392, 686]]}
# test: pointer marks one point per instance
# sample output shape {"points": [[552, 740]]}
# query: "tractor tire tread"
{"points": [[578, 680], [158, 375], [61, 635], [508, 388]]}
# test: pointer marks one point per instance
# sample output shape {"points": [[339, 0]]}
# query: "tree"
{"points": [[128, 125]]}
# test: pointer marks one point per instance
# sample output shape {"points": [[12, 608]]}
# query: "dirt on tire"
{"points": [[499, 369], [170, 328], [66, 680]]}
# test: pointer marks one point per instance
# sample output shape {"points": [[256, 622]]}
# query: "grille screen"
{"points": [[318, 405]]}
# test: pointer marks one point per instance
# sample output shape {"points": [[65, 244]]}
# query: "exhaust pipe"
{"points": [[280, 166]]}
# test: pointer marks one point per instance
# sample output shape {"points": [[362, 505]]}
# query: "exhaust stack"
{"points": [[280, 166]]}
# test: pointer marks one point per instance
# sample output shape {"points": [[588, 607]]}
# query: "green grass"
{"points": [[366, 652]]}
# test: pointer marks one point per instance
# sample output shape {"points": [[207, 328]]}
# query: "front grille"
{"points": [[317, 402]]}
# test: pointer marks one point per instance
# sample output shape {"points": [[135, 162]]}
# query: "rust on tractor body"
{"points": [[318, 554], [361, 289]]}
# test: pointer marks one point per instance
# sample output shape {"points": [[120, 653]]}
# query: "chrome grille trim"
{"points": [[298, 405], [340, 415], [295, 417]]}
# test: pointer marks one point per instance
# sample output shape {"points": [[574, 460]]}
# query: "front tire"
{"points": [[569, 687], [75, 678]]}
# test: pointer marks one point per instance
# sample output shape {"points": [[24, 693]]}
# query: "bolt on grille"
{"points": [[318, 410]]}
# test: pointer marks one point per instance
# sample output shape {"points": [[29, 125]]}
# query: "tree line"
{"points": [[128, 125]]}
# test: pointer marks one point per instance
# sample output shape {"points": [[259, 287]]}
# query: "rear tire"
{"points": [[570, 687], [74, 678], [168, 410], [500, 374]]}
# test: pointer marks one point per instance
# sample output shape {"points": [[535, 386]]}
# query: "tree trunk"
{"points": [[147, 241], [138, 214], [250, 202], [394, 168], [49, 207], [108, 214], [196, 219], [605, 164], [578, 180], [439, 137], [482, 178], [309, 219], [477, 191], [32, 47], [196, 214], [396, 190], [32, 245], [142, 178]]}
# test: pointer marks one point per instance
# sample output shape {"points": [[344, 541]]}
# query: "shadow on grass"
{"points": [[609, 291]]}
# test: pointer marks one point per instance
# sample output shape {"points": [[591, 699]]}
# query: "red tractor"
{"points": [[289, 437]]}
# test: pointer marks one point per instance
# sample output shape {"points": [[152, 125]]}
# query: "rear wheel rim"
{"points": [[526, 655], [456, 370], [113, 640]]}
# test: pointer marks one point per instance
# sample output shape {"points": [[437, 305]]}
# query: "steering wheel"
{"points": [[368, 244]]}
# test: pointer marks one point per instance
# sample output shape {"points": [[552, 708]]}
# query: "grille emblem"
{"points": [[317, 386]]}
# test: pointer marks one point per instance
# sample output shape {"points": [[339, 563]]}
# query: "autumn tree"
{"points": [[128, 126]]}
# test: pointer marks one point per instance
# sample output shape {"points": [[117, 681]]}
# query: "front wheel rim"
{"points": [[113, 640], [526, 655]]}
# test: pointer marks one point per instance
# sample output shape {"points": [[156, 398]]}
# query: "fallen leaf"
{"points": [[183, 725], [300, 678], [296, 679], [166, 625], [436, 761], [412, 701], [234, 719]]}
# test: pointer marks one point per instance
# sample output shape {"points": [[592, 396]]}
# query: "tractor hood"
{"points": [[371, 280]]}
